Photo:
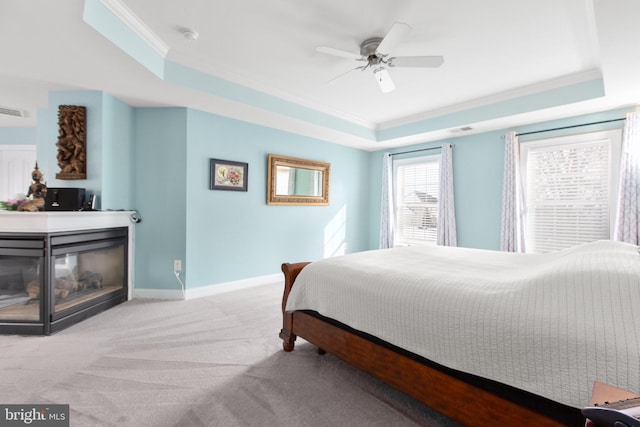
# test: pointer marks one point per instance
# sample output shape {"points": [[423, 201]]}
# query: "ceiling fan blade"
{"points": [[340, 76], [398, 31], [416, 61], [340, 53]]}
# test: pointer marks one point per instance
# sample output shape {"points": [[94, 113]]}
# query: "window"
{"points": [[570, 186], [417, 193]]}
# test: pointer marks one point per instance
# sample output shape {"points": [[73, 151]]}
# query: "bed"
{"points": [[484, 337]]}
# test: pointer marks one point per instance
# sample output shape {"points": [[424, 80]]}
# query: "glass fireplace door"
{"points": [[22, 273], [20, 288], [85, 273], [87, 270]]}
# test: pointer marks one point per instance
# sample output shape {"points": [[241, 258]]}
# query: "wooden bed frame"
{"points": [[465, 398]]}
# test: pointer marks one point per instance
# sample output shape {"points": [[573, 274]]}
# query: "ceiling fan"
{"points": [[376, 52]]}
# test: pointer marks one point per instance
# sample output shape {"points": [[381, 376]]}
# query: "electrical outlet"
{"points": [[177, 265]]}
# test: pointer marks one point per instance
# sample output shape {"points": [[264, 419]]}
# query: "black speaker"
{"points": [[64, 199]]}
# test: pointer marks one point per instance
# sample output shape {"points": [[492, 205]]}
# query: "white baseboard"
{"points": [[204, 291], [157, 294]]}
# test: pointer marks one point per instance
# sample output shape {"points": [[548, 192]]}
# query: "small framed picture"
{"points": [[228, 175]]}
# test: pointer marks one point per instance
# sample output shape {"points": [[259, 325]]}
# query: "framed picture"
{"points": [[228, 175]]}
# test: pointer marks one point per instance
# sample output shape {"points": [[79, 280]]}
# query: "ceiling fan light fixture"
{"points": [[384, 80]]}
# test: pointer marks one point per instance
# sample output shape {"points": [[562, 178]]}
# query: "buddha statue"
{"points": [[36, 193]]}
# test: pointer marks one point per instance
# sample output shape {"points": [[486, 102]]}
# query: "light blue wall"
{"points": [[235, 235], [117, 157], [224, 236], [18, 135], [161, 194], [478, 170]]}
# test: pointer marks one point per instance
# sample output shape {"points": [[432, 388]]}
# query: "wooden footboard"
{"points": [[459, 396]]}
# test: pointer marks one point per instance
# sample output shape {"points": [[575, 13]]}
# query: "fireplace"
{"points": [[49, 281]]}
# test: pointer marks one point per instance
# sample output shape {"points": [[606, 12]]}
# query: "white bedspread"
{"points": [[550, 324]]}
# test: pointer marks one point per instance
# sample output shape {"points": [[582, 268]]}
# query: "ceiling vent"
{"points": [[462, 129], [6, 111]]}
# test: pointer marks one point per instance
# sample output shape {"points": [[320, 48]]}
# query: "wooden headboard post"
{"points": [[290, 271]]}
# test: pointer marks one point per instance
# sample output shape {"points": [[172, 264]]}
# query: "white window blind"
{"points": [[417, 195], [569, 192]]}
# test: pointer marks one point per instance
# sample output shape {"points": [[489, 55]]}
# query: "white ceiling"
{"points": [[493, 50]]}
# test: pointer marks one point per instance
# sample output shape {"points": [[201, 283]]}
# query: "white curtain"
{"points": [[446, 208], [627, 219], [386, 212], [512, 229]]}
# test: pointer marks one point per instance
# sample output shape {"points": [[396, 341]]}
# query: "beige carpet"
{"points": [[214, 361]]}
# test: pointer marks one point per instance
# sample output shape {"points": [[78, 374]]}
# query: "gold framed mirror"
{"points": [[294, 181]]}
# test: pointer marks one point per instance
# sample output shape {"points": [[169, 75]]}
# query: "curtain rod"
{"points": [[569, 127], [415, 151]]}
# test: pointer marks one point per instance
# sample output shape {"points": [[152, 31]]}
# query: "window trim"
{"points": [[430, 158], [614, 136]]}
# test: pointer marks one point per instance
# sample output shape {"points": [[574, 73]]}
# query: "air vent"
{"points": [[462, 129], [6, 111]]}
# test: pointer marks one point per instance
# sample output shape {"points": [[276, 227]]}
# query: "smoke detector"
{"points": [[190, 34]]}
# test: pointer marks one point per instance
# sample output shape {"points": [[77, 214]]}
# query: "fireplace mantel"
{"points": [[51, 222]]}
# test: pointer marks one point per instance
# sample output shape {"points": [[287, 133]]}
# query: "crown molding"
{"points": [[126, 15], [495, 98]]}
